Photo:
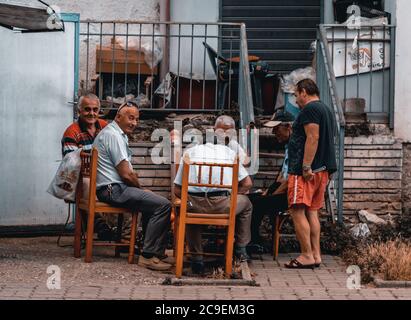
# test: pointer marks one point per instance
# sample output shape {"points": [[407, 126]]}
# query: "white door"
{"points": [[36, 84]]}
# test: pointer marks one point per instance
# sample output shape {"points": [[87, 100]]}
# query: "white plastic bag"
{"points": [[289, 81], [151, 46], [64, 183]]}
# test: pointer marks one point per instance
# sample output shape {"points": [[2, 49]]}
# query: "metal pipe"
{"points": [[125, 71], [191, 66], [152, 69], [392, 77], [88, 48], [178, 66], [162, 22], [139, 65], [100, 79], [371, 70], [204, 67], [112, 65]]}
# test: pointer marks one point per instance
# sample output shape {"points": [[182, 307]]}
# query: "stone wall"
{"points": [[406, 178], [377, 174], [373, 174]]}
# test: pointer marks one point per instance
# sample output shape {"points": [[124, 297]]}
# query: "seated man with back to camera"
{"points": [[204, 199], [118, 185]]}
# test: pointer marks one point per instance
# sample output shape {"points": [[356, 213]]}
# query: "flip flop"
{"points": [[295, 264], [317, 265]]}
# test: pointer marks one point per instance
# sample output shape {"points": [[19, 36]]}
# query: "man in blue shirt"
{"points": [[274, 199], [118, 185]]}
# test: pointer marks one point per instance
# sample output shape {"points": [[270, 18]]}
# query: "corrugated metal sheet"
{"points": [[278, 31], [37, 82]]}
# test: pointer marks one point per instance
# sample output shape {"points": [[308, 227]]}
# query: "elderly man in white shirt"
{"points": [[204, 199]]}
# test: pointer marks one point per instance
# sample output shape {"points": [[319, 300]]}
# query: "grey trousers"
{"points": [[219, 205], [155, 208]]}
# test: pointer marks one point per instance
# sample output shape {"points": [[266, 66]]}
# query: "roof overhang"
{"points": [[28, 19]]}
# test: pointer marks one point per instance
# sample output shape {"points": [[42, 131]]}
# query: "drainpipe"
{"points": [[165, 30]]}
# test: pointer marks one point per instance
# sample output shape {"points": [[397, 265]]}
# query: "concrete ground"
{"points": [[24, 263]]}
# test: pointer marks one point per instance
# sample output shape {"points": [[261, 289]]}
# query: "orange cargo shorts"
{"points": [[308, 193]]}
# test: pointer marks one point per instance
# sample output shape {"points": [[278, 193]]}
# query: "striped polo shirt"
{"points": [[76, 135]]}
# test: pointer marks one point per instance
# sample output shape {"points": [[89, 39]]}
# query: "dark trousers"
{"points": [[262, 205], [155, 209]]}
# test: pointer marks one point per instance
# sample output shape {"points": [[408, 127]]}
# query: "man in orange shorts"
{"points": [[312, 160]]}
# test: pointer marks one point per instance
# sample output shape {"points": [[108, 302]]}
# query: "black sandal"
{"points": [[295, 264]]}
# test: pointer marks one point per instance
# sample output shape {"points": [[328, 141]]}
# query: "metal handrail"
{"points": [[245, 96], [327, 82], [331, 77]]}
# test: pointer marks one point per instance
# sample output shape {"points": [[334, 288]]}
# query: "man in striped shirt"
{"points": [[82, 132]]}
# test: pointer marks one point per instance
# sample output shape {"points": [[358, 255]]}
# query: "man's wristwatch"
{"points": [[306, 168]]}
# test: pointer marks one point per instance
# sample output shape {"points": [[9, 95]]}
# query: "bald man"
{"points": [[118, 185]]}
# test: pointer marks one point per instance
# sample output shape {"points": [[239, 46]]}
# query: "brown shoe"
{"points": [[168, 259], [153, 263]]}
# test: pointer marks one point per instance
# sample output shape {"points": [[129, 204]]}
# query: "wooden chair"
{"points": [[88, 203], [203, 218]]}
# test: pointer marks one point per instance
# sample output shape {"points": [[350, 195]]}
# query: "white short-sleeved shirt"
{"points": [[235, 146], [215, 153], [112, 147]]}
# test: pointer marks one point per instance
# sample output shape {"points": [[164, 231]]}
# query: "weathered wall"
{"points": [[406, 177], [102, 9], [137, 10], [403, 71]]}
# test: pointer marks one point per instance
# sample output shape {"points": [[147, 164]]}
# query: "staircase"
{"points": [[280, 32]]}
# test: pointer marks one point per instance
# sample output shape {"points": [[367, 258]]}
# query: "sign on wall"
{"points": [[363, 53]]}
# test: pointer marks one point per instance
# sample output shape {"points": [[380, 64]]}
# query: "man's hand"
{"points": [[308, 174]]}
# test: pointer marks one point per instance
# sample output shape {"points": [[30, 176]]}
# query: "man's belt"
{"points": [[210, 194]]}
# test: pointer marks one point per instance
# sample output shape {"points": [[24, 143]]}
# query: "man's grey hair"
{"points": [[224, 121], [90, 96]]}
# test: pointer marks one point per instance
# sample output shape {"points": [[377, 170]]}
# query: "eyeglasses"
{"points": [[127, 104]]}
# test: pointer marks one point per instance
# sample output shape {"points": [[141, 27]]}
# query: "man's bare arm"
{"points": [[127, 174], [245, 185], [282, 188], [312, 131]]}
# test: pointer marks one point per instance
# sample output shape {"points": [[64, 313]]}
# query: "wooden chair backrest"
{"points": [[186, 183], [88, 172]]}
